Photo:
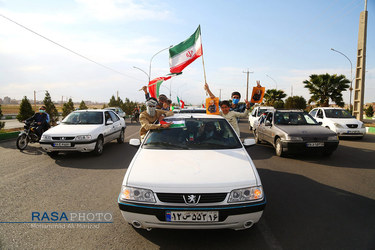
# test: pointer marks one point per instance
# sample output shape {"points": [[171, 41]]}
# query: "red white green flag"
{"points": [[182, 102], [154, 85], [185, 52]]}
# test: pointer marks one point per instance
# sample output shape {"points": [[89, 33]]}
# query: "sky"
{"points": [[87, 49]]}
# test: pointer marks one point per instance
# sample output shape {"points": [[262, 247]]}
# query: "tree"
{"points": [[295, 102], [51, 109], [82, 105], [369, 111], [273, 95], [128, 106], [25, 111], [2, 124], [325, 87], [113, 102], [67, 108]]}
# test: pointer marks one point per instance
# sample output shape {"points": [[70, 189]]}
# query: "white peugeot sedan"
{"points": [[194, 175], [340, 121], [84, 131], [256, 113]]}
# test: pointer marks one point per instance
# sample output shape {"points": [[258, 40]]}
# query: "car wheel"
{"points": [[99, 146], [22, 142], [121, 138], [279, 147], [256, 137]]}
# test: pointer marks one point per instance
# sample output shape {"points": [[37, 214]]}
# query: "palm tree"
{"points": [[272, 96], [324, 87]]}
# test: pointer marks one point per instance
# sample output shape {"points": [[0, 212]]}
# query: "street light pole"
{"points": [[143, 72], [351, 78], [149, 69], [272, 80]]}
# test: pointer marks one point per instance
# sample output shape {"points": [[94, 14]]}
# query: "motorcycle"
{"points": [[27, 136]]}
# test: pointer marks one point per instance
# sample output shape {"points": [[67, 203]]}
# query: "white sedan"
{"points": [[340, 121], [194, 175], [84, 131]]}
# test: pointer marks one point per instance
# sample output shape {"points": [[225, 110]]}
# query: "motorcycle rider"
{"points": [[41, 118]]}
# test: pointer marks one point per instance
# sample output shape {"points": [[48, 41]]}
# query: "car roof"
{"points": [[91, 110], [265, 107], [289, 110], [330, 108], [194, 115]]}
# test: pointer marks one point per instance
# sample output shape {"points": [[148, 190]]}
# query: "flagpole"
{"points": [[204, 70]]}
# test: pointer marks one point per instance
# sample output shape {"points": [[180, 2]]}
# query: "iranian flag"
{"points": [[154, 85], [182, 102], [184, 53]]}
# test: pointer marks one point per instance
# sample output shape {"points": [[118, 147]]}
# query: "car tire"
{"points": [[256, 137], [121, 138], [99, 146], [279, 148]]}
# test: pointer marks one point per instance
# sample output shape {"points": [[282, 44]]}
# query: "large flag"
{"points": [[184, 53], [154, 85]]}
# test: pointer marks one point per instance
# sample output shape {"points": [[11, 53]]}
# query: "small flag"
{"points": [[184, 53], [154, 85]]}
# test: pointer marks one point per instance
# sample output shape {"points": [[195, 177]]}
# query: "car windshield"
{"points": [[294, 118], [194, 133], [84, 118], [337, 113]]}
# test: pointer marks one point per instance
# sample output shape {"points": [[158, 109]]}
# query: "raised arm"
{"points": [[208, 90]]}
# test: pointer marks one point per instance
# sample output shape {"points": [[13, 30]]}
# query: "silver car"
{"points": [[295, 131]]}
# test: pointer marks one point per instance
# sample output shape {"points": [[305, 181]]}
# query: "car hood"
{"points": [[191, 170], [70, 129], [306, 130], [345, 121]]}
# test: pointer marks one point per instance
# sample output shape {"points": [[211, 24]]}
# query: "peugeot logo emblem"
{"points": [[63, 138], [191, 199]]}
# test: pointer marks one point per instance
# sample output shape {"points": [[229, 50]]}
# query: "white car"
{"points": [[84, 131], [340, 121], [256, 113], [194, 175], [118, 111]]}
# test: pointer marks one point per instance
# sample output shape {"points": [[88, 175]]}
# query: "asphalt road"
{"points": [[313, 202]]}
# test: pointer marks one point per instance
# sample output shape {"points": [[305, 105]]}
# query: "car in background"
{"points": [[84, 131], [295, 131], [340, 121], [118, 111], [194, 175], [256, 113]]}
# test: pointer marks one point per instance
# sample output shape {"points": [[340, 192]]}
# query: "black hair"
{"points": [[225, 103], [236, 93]]}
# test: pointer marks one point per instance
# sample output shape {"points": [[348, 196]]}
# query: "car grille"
{"points": [[313, 139], [352, 125], [178, 198], [63, 138]]}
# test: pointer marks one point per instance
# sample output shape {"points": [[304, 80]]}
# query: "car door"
{"points": [[116, 125], [268, 128], [108, 127]]}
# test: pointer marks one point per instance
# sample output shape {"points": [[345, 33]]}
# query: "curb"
{"points": [[10, 135], [370, 130]]}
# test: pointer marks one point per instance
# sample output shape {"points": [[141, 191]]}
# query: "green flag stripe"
{"points": [[185, 44]]}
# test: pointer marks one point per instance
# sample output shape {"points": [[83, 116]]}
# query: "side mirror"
{"points": [[58, 122], [135, 142], [267, 123], [320, 123], [109, 122], [248, 142]]}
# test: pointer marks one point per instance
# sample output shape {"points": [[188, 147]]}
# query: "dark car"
{"points": [[295, 131]]}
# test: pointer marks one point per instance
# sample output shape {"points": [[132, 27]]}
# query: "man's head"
{"points": [[163, 98], [236, 96], [225, 106], [42, 109], [151, 107]]}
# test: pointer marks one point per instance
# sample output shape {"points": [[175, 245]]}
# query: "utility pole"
{"points": [[359, 88], [34, 99], [247, 83], [219, 94]]}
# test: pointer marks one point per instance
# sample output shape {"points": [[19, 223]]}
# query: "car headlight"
{"points": [[46, 137], [363, 125], [332, 138], [337, 125], [294, 138], [83, 137], [246, 194], [137, 194]]}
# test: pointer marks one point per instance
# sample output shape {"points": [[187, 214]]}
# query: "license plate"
{"points": [[314, 144], [353, 131], [192, 216], [62, 144]]}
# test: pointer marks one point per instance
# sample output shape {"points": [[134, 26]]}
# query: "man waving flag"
{"points": [[184, 53]]}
